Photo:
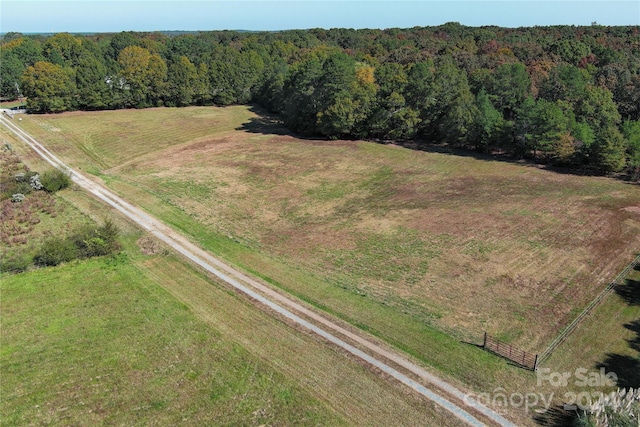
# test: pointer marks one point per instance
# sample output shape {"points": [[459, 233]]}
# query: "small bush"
{"points": [[95, 246], [109, 232], [15, 263], [10, 187], [99, 241], [55, 180], [56, 251]]}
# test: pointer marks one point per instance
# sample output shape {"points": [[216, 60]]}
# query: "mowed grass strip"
{"points": [[87, 343], [130, 133], [99, 342]]}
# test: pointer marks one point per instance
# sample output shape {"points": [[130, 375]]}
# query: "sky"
{"points": [[52, 16]]}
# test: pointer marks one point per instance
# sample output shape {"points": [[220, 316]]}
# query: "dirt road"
{"points": [[384, 359]]}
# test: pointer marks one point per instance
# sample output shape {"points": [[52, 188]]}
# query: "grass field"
{"points": [[469, 245], [144, 339], [118, 349], [402, 243]]}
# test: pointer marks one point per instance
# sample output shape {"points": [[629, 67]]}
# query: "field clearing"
{"points": [[146, 339], [472, 245], [392, 240]]}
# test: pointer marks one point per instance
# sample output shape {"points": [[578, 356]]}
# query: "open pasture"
{"points": [[142, 337], [119, 349], [389, 238]]}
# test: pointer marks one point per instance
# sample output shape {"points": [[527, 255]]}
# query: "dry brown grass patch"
{"points": [[508, 248]]}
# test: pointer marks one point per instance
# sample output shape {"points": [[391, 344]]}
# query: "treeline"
{"points": [[568, 95]]}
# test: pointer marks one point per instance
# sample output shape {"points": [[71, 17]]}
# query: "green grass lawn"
{"points": [[99, 342], [91, 343]]}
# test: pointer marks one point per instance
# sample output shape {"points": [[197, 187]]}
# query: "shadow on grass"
{"points": [[630, 291], [635, 327], [627, 368], [264, 124], [556, 416]]}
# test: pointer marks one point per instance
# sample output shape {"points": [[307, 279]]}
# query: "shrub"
{"points": [[100, 241], [15, 263], [95, 246], [56, 251], [109, 232], [10, 187], [55, 180]]}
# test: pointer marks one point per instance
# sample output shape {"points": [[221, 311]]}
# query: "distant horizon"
{"points": [[241, 30], [99, 16]]}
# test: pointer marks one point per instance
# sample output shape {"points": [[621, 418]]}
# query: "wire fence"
{"points": [[593, 304]]}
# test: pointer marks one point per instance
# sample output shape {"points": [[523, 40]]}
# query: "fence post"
{"points": [[535, 363], [484, 343]]}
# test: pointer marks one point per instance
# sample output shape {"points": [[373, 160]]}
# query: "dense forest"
{"points": [[564, 95]]}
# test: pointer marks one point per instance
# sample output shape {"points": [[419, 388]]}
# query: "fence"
{"points": [[12, 113], [572, 326], [520, 357]]}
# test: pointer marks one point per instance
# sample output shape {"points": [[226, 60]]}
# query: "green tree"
{"points": [[301, 93], [391, 115], [119, 42], [182, 80], [393, 119], [597, 108], [145, 75], [419, 92], [235, 76], [509, 87], [453, 113], [11, 70], [54, 180], [364, 96], [610, 149], [336, 107], [457, 126], [63, 49], [201, 87], [93, 92], [565, 82], [550, 126], [571, 51], [49, 88], [28, 50], [157, 80], [631, 131], [488, 124]]}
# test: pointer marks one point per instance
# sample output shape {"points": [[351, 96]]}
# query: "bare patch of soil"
{"points": [[151, 246]]}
